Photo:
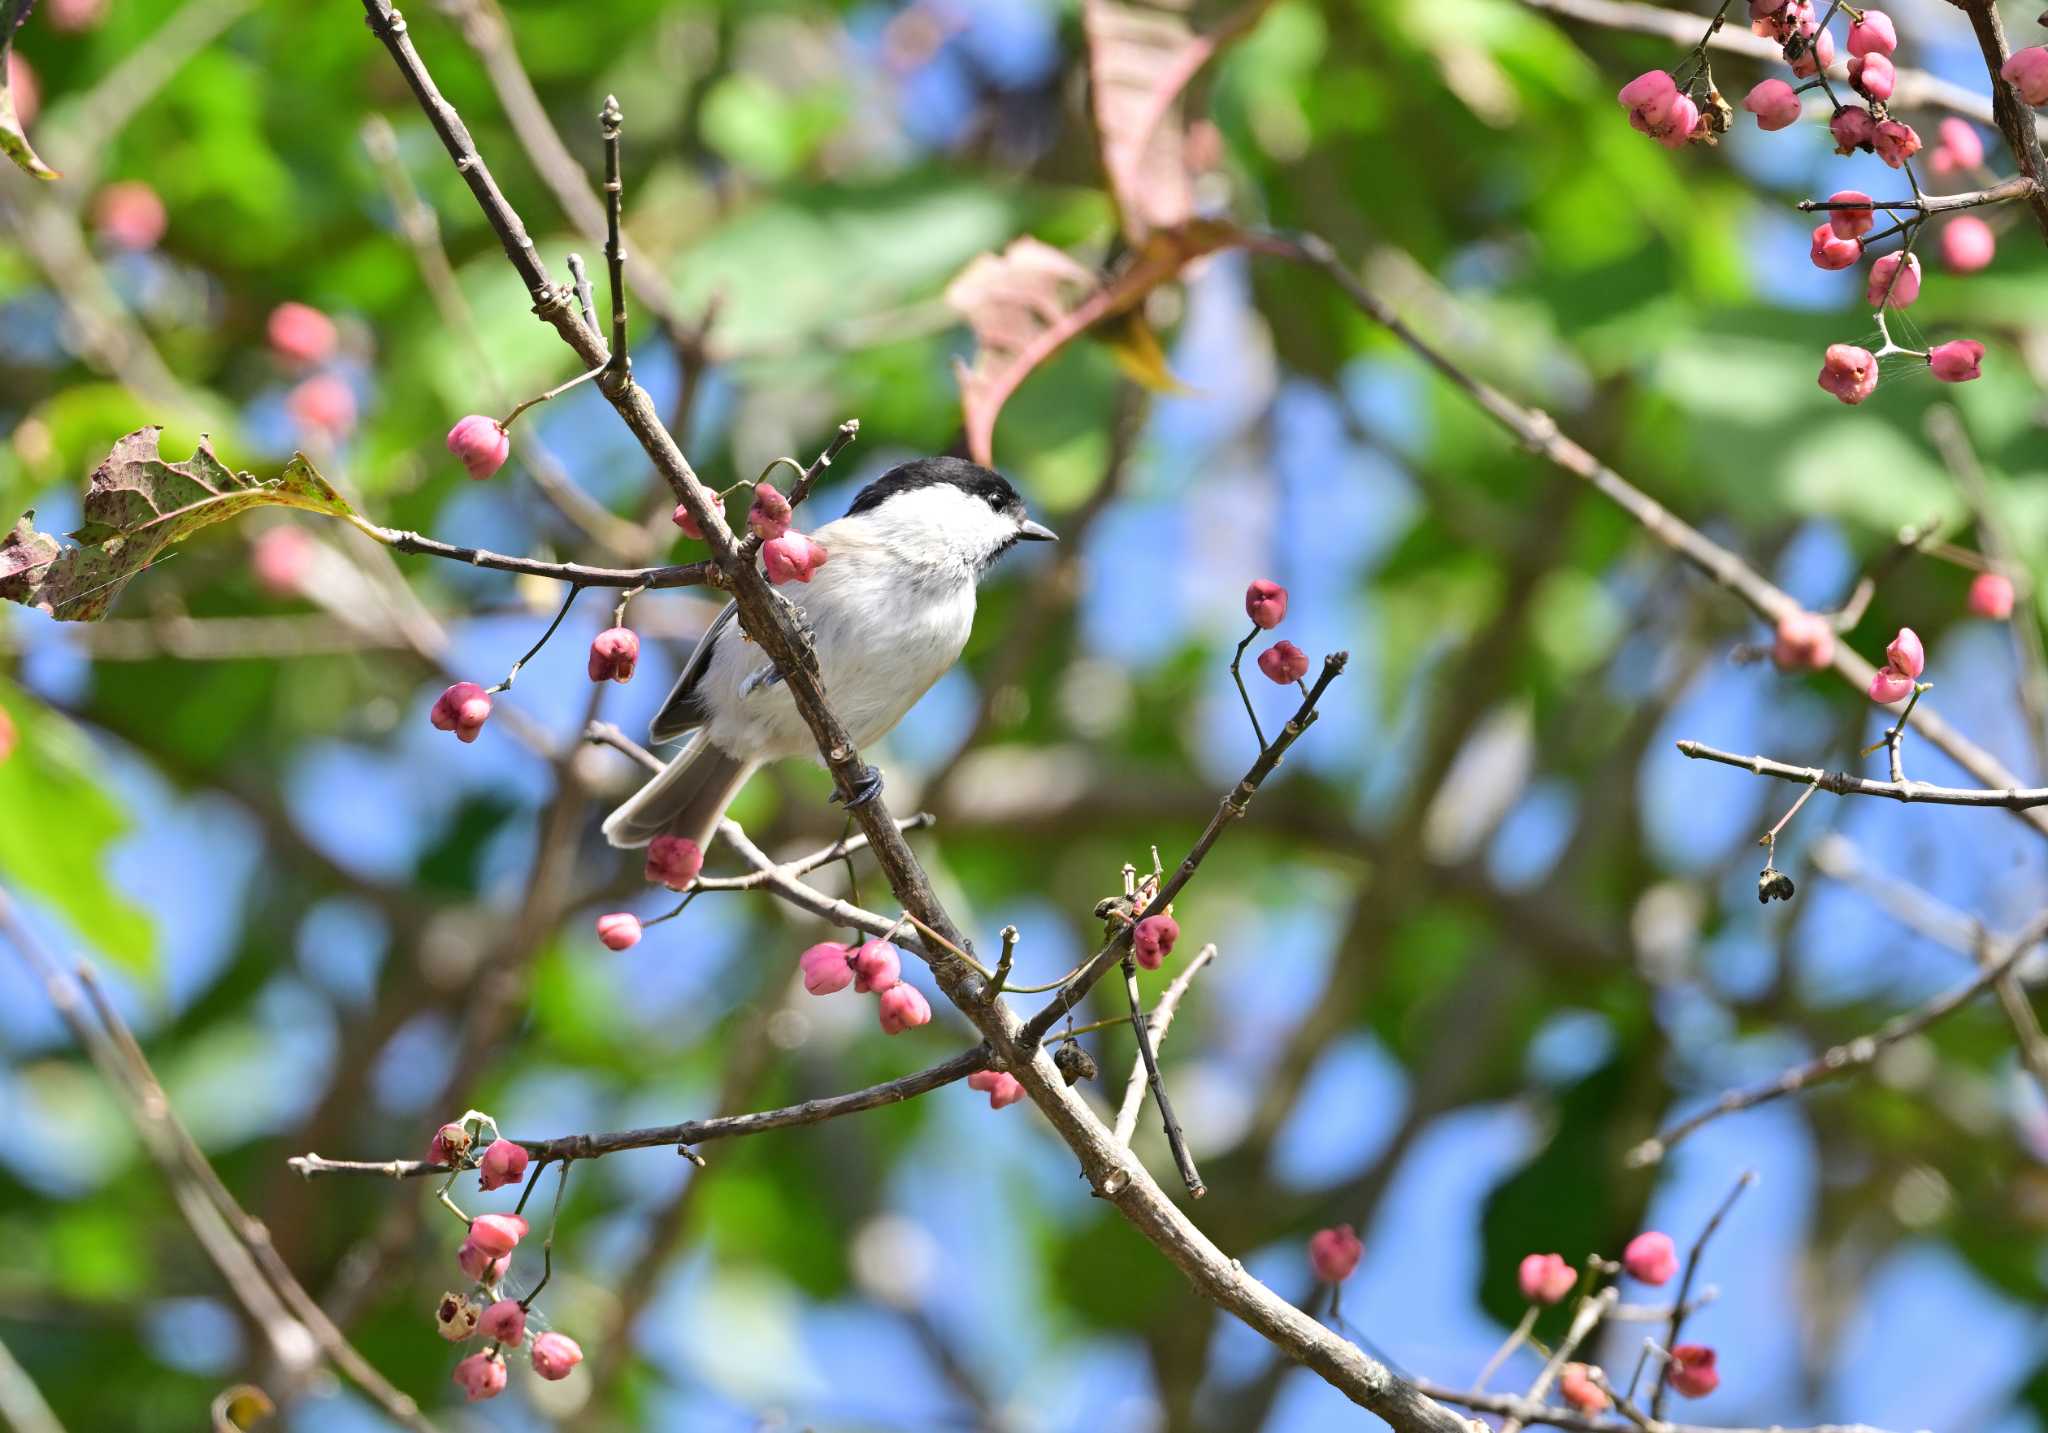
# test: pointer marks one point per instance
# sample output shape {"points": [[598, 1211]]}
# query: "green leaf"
{"points": [[137, 505], [60, 829], [13, 142]]}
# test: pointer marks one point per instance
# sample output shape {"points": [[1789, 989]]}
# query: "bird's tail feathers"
{"points": [[686, 799]]}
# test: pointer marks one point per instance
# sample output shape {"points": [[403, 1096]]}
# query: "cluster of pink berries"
{"points": [[786, 555], [672, 861], [1656, 106], [303, 337], [484, 1257], [873, 968], [1650, 1258], [1905, 659], [1265, 602], [465, 707]]}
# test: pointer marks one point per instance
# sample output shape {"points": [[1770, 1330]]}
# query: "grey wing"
{"points": [[684, 710]]}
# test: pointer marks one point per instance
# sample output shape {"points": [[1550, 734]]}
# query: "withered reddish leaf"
{"points": [[136, 506], [1141, 56], [1029, 301]]}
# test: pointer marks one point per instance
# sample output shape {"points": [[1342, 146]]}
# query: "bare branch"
{"points": [[690, 1132], [1160, 1023], [1841, 783], [1853, 1055]]}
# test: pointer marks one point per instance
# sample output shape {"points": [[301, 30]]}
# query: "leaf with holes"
{"points": [[136, 506], [1031, 300], [1141, 56], [13, 142]]}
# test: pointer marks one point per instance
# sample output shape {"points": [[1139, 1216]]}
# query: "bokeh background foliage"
{"points": [[1485, 932]]}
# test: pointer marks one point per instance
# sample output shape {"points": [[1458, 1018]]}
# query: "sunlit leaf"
{"points": [[136, 506]]}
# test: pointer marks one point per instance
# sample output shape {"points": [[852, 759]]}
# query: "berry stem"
{"points": [[1236, 675]]}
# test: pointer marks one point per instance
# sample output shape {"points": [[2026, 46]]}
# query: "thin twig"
{"points": [[1679, 1306], [1176, 1141], [1842, 783], [689, 1132], [1160, 1022], [687, 574], [611, 121], [1591, 1309], [1852, 1055], [1232, 807]]}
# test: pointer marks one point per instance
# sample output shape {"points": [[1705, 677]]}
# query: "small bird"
{"points": [[888, 613]]}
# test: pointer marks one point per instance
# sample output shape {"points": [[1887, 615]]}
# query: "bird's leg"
{"points": [[865, 790]]}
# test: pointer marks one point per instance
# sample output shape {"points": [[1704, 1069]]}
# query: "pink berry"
{"points": [[1651, 1257], [1153, 940], [323, 403], [462, 709], [1888, 686], [1959, 146], [72, 16], [1991, 596], [614, 653], [1895, 142], [1806, 640], [496, 1235], [827, 968], [481, 444], [1002, 1087], [792, 557], [23, 88], [1967, 244], [1830, 250], [1957, 361], [1849, 213], [481, 1376], [1817, 54], [619, 931], [485, 1268], [2027, 72], [1905, 655], [554, 1354], [1283, 662], [1684, 121], [1853, 127], [1265, 601], [1774, 103], [682, 518], [1873, 77], [673, 861], [449, 1144], [876, 967], [769, 516], [1334, 1253], [503, 1163], [282, 558], [301, 333], [8, 735], [1546, 1278], [902, 1008], [1873, 34], [1575, 1384], [1692, 1370], [129, 215], [1892, 286], [504, 1321], [1849, 372], [1648, 97]]}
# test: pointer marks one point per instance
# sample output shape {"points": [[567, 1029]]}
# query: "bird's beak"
{"points": [[1036, 531]]}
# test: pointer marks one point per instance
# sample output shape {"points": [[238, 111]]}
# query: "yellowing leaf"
{"points": [[13, 142], [1135, 347]]}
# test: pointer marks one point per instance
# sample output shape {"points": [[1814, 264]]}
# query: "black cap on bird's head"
{"points": [[977, 482]]}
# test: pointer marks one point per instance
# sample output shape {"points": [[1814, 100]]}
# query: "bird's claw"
{"points": [[868, 788]]}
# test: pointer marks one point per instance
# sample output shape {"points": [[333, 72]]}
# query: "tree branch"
{"points": [[1852, 1055], [1160, 1023], [1842, 783], [690, 1132]]}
